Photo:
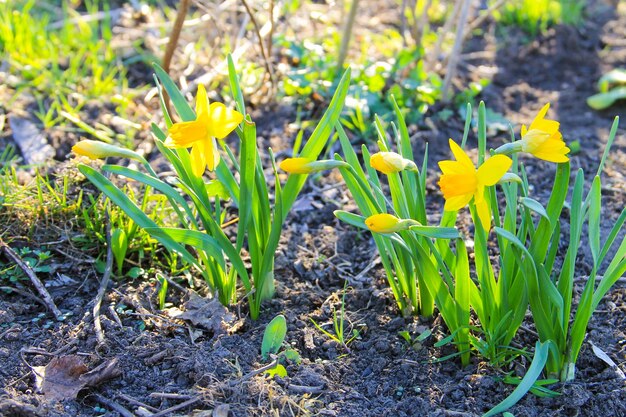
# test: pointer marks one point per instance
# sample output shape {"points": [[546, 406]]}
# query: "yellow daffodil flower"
{"points": [[388, 162], [214, 121], [387, 223], [543, 139], [461, 181], [307, 165], [97, 150]]}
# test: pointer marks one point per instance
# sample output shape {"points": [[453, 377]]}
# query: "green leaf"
{"points": [[119, 246], [292, 355], [595, 208], [121, 200], [603, 101], [533, 373], [436, 232], [274, 336], [351, 218], [317, 141], [278, 370], [535, 206], [192, 238], [180, 103]]}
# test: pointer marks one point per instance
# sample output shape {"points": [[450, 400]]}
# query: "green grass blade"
{"points": [[533, 373]]}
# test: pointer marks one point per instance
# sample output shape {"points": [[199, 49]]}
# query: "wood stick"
{"points": [[45, 295], [257, 29], [172, 43], [177, 407], [104, 283], [456, 51]]}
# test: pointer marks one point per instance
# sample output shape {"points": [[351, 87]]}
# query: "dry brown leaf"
{"points": [[206, 313], [65, 376]]}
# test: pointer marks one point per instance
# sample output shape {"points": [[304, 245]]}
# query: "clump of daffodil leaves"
{"points": [[215, 191], [429, 264]]}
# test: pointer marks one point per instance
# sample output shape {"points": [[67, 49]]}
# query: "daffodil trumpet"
{"points": [[213, 121], [461, 182]]}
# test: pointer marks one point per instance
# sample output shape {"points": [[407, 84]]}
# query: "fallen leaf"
{"points": [[606, 359], [221, 410], [206, 313], [33, 145], [65, 376]]}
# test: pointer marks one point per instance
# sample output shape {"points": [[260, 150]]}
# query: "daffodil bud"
{"points": [[387, 223], [388, 162], [308, 165], [510, 177], [96, 150]]}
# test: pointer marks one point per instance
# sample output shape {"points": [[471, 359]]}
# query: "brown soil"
{"points": [[380, 374]]}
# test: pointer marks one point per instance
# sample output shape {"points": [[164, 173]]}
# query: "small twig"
{"points": [[104, 283], [420, 30], [300, 389], [480, 19], [172, 43], [270, 38], [133, 401], [171, 395], [114, 405], [45, 295], [253, 373], [346, 35], [257, 29], [177, 407], [456, 51], [110, 14], [25, 294], [441, 34]]}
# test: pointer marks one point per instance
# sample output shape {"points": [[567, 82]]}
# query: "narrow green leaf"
{"points": [[180, 103], [533, 373], [594, 219], [436, 232], [351, 218], [535, 206]]}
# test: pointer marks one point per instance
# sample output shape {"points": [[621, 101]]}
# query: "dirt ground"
{"points": [[165, 361]]}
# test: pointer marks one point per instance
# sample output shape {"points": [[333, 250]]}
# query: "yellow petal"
{"points": [[184, 134], [540, 116], [212, 154], [222, 120], [493, 169], [484, 214], [455, 167], [458, 202], [553, 156], [198, 158], [460, 154], [202, 102]]}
